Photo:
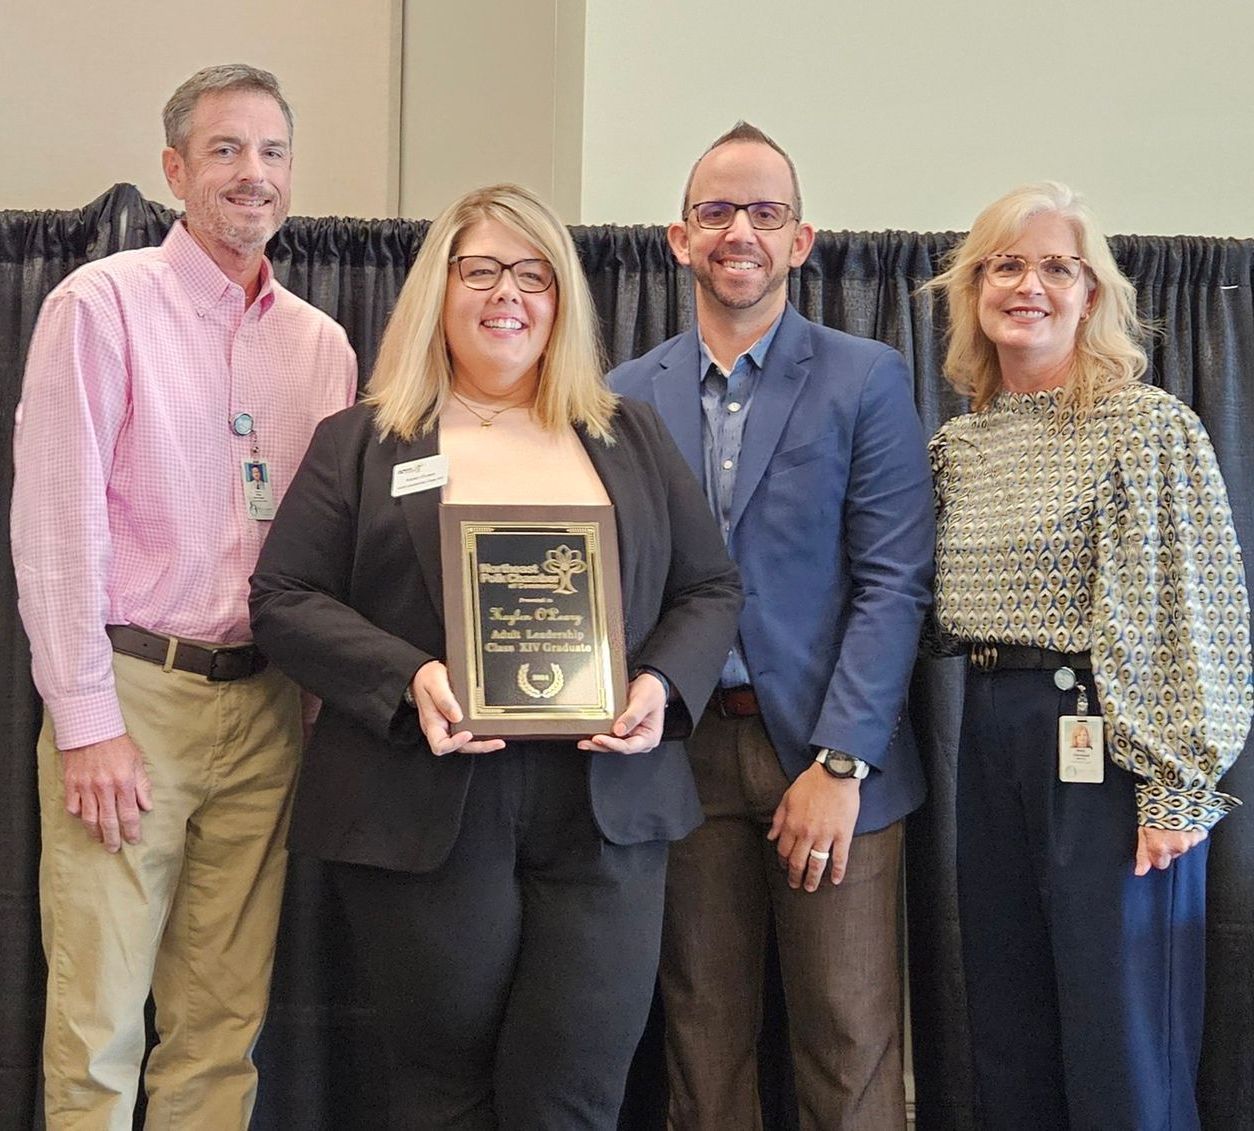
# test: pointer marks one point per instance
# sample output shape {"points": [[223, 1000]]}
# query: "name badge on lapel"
{"points": [[419, 475]]}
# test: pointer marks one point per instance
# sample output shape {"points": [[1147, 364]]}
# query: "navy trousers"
{"points": [[1085, 983], [512, 984]]}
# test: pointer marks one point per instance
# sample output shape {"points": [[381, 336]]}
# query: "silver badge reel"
{"points": [[1064, 680]]}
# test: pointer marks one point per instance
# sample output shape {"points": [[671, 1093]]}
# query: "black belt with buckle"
{"points": [[1018, 657], [218, 664], [735, 702]]}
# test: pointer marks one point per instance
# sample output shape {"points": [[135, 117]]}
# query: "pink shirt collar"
{"points": [[203, 280]]}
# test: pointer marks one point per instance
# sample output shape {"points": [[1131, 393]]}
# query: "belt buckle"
{"points": [[984, 656], [244, 668], [721, 700], [212, 673]]}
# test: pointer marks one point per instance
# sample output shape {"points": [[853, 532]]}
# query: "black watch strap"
{"points": [[841, 765]]}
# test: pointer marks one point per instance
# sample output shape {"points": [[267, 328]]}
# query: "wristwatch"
{"points": [[841, 765]]}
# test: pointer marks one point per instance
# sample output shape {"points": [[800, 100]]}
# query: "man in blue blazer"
{"points": [[813, 460]]}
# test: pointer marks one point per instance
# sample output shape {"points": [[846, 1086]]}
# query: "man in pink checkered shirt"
{"points": [[169, 396]]}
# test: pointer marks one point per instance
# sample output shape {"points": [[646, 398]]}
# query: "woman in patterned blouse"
{"points": [[1087, 560]]}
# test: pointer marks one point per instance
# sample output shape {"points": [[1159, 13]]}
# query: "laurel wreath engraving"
{"points": [[528, 688]]}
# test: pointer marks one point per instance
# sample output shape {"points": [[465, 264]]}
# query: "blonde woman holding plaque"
{"points": [[505, 897]]}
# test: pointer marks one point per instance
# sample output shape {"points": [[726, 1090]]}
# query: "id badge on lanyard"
{"points": [[255, 471], [1081, 756]]}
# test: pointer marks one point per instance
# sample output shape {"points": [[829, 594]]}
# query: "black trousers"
{"points": [[513, 983], [1085, 983]]}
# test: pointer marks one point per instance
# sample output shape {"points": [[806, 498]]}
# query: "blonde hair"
{"points": [[413, 372], [1108, 350]]}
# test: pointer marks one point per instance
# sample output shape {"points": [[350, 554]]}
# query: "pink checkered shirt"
{"points": [[128, 495]]}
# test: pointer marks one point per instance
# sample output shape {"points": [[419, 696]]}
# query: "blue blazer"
{"points": [[832, 527]]}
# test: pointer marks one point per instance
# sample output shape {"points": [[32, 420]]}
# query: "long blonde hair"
{"points": [[413, 372], [1108, 350]]}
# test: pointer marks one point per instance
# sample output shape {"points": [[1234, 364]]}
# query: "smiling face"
{"points": [[496, 338], [741, 268], [233, 173], [1033, 327]]}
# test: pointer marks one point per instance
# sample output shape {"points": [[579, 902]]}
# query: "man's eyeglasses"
{"points": [[1057, 272], [765, 215], [483, 272]]}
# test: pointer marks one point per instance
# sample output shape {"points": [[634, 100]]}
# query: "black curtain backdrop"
{"points": [[317, 1067]]}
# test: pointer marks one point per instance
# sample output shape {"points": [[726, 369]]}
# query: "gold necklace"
{"points": [[484, 421]]}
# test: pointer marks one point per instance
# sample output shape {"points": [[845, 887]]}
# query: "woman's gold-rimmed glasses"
{"points": [[1056, 272]]}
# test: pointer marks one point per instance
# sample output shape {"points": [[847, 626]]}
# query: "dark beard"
{"points": [[736, 300]]}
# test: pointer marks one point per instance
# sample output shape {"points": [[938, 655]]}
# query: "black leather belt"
{"points": [[1017, 657], [735, 702], [218, 664]]}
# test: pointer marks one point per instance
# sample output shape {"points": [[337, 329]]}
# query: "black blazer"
{"points": [[347, 600]]}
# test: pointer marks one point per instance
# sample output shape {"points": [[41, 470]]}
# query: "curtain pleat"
{"points": [[317, 1066]]}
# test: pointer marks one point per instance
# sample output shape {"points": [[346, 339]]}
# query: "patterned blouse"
{"points": [[1111, 535]]}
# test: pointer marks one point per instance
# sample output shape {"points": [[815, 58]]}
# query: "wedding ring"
{"points": [[817, 855]]}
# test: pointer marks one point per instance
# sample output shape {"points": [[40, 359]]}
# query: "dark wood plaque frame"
{"points": [[464, 529]]}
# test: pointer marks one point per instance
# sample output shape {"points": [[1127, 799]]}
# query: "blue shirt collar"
{"points": [[755, 353]]}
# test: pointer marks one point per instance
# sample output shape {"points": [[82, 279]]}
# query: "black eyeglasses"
{"points": [[765, 215], [483, 272]]}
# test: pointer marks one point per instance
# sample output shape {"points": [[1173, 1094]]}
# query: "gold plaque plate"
{"points": [[533, 619]]}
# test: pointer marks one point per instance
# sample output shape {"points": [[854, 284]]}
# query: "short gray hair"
{"points": [[177, 114]]}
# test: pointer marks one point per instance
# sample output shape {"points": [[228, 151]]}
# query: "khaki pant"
{"points": [[191, 912], [838, 953]]}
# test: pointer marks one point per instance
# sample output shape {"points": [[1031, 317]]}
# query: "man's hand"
{"points": [[1157, 848], [816, 812], [438, 713], [107, 787], [639, 728]]}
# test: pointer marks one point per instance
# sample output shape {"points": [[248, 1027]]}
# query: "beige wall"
{"points": [[82, 85], [907, 114], [913, 114], [492, 97]]}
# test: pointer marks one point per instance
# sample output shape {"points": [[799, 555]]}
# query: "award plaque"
{"points": [[533, 619]]}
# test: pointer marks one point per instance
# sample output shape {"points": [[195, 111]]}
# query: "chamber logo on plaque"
{"points": [[533, 617], [564, 563]]}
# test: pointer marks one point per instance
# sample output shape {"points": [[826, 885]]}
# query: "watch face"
{"points": [[841, 765]]}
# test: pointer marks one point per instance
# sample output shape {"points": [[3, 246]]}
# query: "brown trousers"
{"points": [[838, 950], [191, 912]]}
